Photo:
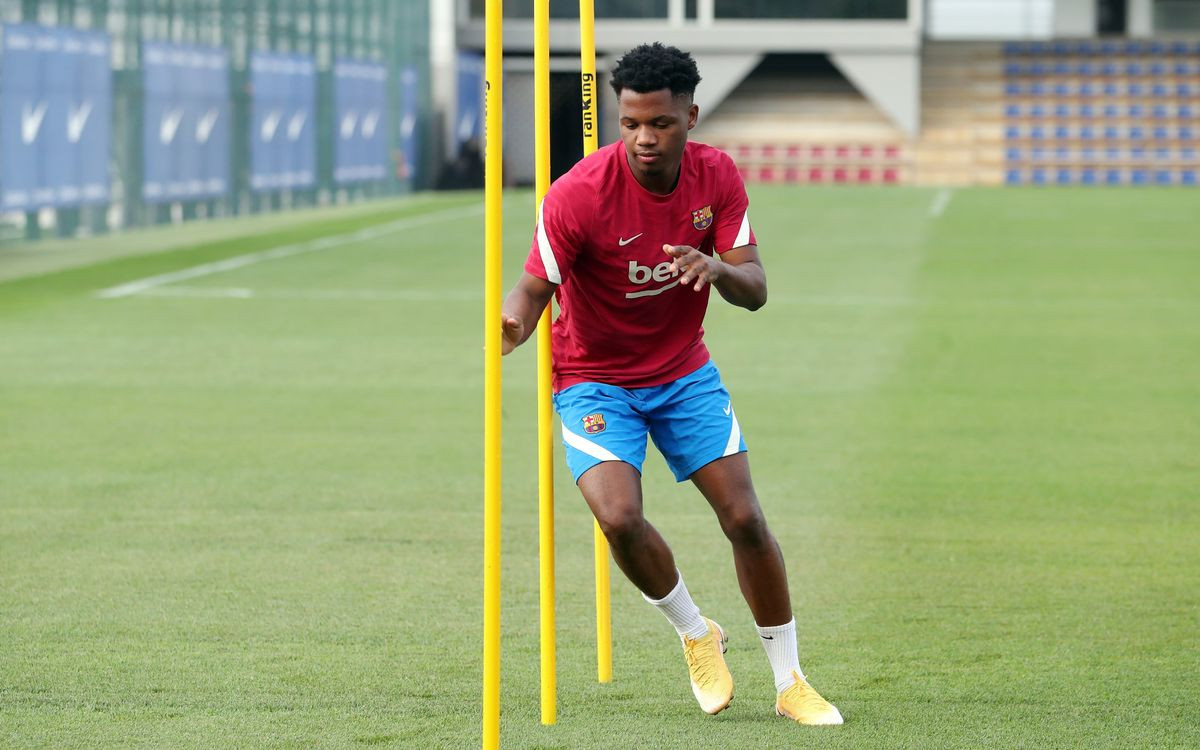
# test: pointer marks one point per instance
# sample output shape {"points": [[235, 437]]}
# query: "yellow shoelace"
{"points": [[701, 659]]}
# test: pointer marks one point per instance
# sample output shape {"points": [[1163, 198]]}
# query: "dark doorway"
{"points": [[566, 123], [1111, 17]]}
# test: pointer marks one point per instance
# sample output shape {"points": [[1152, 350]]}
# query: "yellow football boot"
{"points": [[803, 705], [711, 682]]}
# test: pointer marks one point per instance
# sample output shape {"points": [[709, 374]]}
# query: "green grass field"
{"points": [[244, 509]]}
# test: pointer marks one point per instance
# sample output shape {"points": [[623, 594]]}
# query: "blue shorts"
{"points": [[691, 421]]}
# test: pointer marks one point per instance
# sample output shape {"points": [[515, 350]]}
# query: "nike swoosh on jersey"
{"points": [[623, 242], [728, 408]]}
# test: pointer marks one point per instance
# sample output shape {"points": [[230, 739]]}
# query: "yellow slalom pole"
{"points": [[493, 59], [541, 128], [587, 66]]}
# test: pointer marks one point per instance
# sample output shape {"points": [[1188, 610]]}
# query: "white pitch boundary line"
{"points": [[940, 202], [283, 251], [315, 295]]}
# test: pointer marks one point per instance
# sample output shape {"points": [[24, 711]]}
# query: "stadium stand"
{"points": [[797, 120]]}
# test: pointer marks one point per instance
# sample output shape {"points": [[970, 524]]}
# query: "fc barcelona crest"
{"points": [[593, 423], [702, 218]]}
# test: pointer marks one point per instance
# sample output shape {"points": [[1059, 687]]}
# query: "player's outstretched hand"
{"points": [[693, 264], [513, 332]]}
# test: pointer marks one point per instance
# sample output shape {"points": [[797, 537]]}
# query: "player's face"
{"points": [[654, 127]]}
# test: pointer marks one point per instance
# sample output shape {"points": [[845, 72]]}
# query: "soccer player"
{"points": [[631, 240]]}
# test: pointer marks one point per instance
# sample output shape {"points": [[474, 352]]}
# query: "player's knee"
{"points": [[622, 526], [746, 527]]}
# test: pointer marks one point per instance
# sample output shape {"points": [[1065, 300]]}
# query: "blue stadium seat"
{"points": [[1062, 89], [1134, 69], [1085, 47], [1134, 47], [1062, 153], [1156, 48], [1187, 153], [1137, 153], [1186, 133], [1087, 133], [1180, 48], [1136, 89], [1160, 90], [1012, 110], [1063, 176], [1182, 69], [1037, 48], [1012, 131], [1038, 70], [1012, 89], [1087, 176], [1112, 89], [1162, 154], [1062, 110], [1108, 69], [1037, 111], [1112, 110], [1112, 153], [1161, 112], [1062, 48], [1162, 177], [1136, 110], [1137, 133], [1013, 48], [1086, 111], [1062, 132], [1110, 49], [1013, 177], [1013, 69], [1185, 112], [1085, 69], [1183, 90], [1062, 69], [1037, 133], [1139, 177], [1158, 69], [1187, 177], [1112, 176], [1087, 153], [1087, 89], [1161, 133], [1037, 88], [1111, 132], [1038, 177], [1012, 154]]}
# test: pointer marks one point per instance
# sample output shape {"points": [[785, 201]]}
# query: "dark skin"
{"points": [[654, 128]]}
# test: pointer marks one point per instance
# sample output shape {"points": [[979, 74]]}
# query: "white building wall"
{"points": [[1075, 18], [990, 19]]}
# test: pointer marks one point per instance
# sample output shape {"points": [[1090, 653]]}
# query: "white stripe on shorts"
{"points": [[580, 443], [735, 436]]}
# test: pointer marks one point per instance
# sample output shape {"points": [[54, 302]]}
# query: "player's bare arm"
{"points": [[738, 274], [521, 310]]}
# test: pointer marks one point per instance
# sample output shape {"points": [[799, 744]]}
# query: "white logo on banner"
{"points": [[77, 121], [31, 121], [370, 122], [296, 124], [270, 124], [169, 125], [408, 125], [466, 125], [204, 127], [349, 121]]}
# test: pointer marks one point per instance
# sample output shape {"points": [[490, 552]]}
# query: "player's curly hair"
{"points": [[653, 67]]}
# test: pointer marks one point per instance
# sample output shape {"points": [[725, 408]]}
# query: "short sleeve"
{"points": [[732, 216], [559, 235]]}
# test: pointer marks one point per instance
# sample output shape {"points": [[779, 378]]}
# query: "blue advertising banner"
{"points": [[468, 120], [360, 101], [283, 141], [185, 122], [55, 117], [410, 102]]}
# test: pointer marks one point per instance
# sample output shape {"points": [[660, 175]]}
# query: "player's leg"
{"points": [[727, 486], [613, 491]]}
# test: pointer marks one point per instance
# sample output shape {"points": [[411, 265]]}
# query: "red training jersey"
{"points": [[624, 319]]}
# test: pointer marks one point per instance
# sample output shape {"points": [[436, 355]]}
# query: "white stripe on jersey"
{"points": [[743, 235], [548, 261], [581, 443]]}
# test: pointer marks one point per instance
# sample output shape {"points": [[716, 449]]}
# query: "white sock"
{"points": [[683, 613], [779, 641]]}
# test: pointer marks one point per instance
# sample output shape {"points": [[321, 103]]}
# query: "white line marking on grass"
{"points": [[940, 202], [315, 295], [283, 251]]}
